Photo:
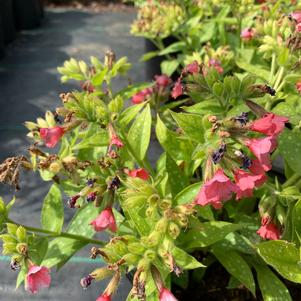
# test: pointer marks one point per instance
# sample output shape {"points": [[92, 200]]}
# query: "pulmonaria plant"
{"points": [[213, 196]]}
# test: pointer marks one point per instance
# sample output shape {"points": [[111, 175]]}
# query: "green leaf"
{"points": [[100, 138], [254, 69], [289, 146], [290, 108], [139, 220], [177, 148], [296, 220], [98, 78], [175, 47], [52, 215], [188, 194], [61, 249], [21, 276], [169, 67], [38, 249], [149, 55], [21, 234], [176, 177], [184, 260], [236, 266], [283, 56], [283, 256], [271, 287], [205, 107], [191, 124], [208, 233], [139, 133], [130, 113]]}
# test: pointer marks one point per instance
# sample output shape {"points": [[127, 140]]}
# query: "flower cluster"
{"points": [[247, 172]]}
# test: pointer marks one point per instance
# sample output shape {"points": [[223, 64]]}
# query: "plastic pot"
{"points": [[27, 13], [8, 22], [2, 51]]}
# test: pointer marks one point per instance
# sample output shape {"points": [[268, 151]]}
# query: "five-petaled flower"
{"points": [[105, 220], [261, 148], [216, 190], [270, 124], [51, 136], [246, 182], [37, 278]]}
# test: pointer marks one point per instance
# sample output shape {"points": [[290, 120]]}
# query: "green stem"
{"points": [[273, 66], [292, 180], [61, 234], [279, 78]]}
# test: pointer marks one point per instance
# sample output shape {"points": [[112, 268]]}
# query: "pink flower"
{"points": [[88, 87], [177, 89], [261, 148], [246, 182], [192, 68], [257, 169], [298, 86], [138, 173], [104, 297], [216, 190], [270, 124], [216, 65], [247, 34], [166, 295], [37, 278], [141, 95], [298, 27], [51, 136], [105, 220], [268, 230], [162, 80], [116, 141], [296, 16]]}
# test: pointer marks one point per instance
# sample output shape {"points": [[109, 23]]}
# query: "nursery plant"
{"points": [[213, 199]]}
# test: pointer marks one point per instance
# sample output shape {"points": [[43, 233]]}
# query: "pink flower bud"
{"points": [[298, 86], [216, 190], [247, 34], [138, 173], [192, 68], [51, 136], [116, 141], [270, 124], [37, 278], [177, 89], [268, 230], [104, 297], [105, 220], [216, 65], [166, 295], [141, 95], [162, 80]]}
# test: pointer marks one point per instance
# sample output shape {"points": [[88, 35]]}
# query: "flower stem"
{"points": [[279, 78], [292, 180], [61, 234], [273, 66]]}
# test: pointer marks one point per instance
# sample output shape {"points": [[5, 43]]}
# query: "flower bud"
{"points": [[174, 230], [22, 249], [150, 255], [101, 273], [86, 281], [153, 239], [131, 259], [280, 214], [161, 225], [136, 248], [165, 204], [55, 167]]}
